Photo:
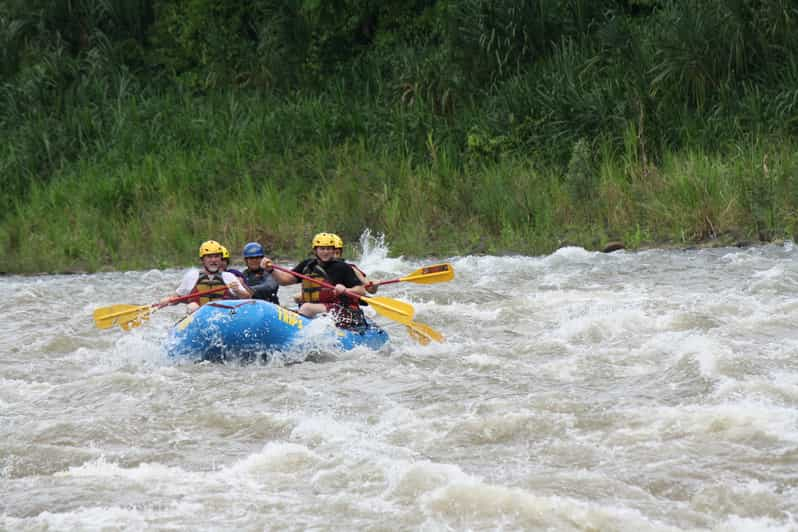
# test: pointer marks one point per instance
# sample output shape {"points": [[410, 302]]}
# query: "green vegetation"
{"points": [[132, 130]]}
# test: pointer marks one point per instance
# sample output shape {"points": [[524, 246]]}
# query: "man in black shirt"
{"points": [[325, 267]]}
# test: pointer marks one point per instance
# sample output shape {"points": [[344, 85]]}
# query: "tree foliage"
{"points": [[513, 75]]}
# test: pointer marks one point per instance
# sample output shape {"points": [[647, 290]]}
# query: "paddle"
{"points": [[423, 333], [437, 273], [390, 308], [127, 316]]}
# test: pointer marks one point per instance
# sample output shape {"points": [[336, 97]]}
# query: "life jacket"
{"points": [[346, 310], [207, 281], [313, 292], [255, 277]]}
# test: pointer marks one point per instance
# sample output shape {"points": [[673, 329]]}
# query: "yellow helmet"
{"points": [[211, 247], [339, 242], [225, 253], [323, 240]]}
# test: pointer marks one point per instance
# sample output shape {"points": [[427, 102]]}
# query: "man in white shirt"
{"points": [[210, 277]]}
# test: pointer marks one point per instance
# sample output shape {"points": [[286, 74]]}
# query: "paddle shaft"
{"points": [[141, 308], [190, 296], [325, 284], [380, 283]]}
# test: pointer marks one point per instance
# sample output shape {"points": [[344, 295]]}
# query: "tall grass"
{"points": [[237, 182]]}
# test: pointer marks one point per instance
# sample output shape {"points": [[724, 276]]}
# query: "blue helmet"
{"points": [[253, 249]]}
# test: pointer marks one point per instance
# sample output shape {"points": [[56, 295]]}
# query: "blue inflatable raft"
{"points": [[248, 329]]}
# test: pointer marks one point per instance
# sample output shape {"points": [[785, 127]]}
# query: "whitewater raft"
{"points": [[250, 329]]}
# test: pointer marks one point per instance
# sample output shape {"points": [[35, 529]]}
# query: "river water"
{"points": [[655, 390]]}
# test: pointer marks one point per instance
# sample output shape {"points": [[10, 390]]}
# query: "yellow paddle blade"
{"points": [[417, 336], [104, 317], [133, 321], [438, 273], [391, 308], [122, 315], [423, 333]]}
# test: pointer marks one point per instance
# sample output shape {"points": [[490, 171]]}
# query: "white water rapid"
{"points": [[646, 391]]}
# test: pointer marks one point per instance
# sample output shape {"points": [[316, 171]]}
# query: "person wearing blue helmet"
{"points": [[260, 281]]}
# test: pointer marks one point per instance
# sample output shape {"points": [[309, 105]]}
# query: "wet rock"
{"points": [[613, 246]]}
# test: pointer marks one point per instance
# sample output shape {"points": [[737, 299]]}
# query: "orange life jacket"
{"points": [[207, 281]]}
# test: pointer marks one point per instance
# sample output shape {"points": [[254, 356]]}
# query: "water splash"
{"points": [[374, 250]]}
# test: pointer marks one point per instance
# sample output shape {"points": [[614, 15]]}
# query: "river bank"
{"points": [[107, 214]]}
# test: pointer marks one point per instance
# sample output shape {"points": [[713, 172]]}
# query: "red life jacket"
{"points": [[315, 293]]}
